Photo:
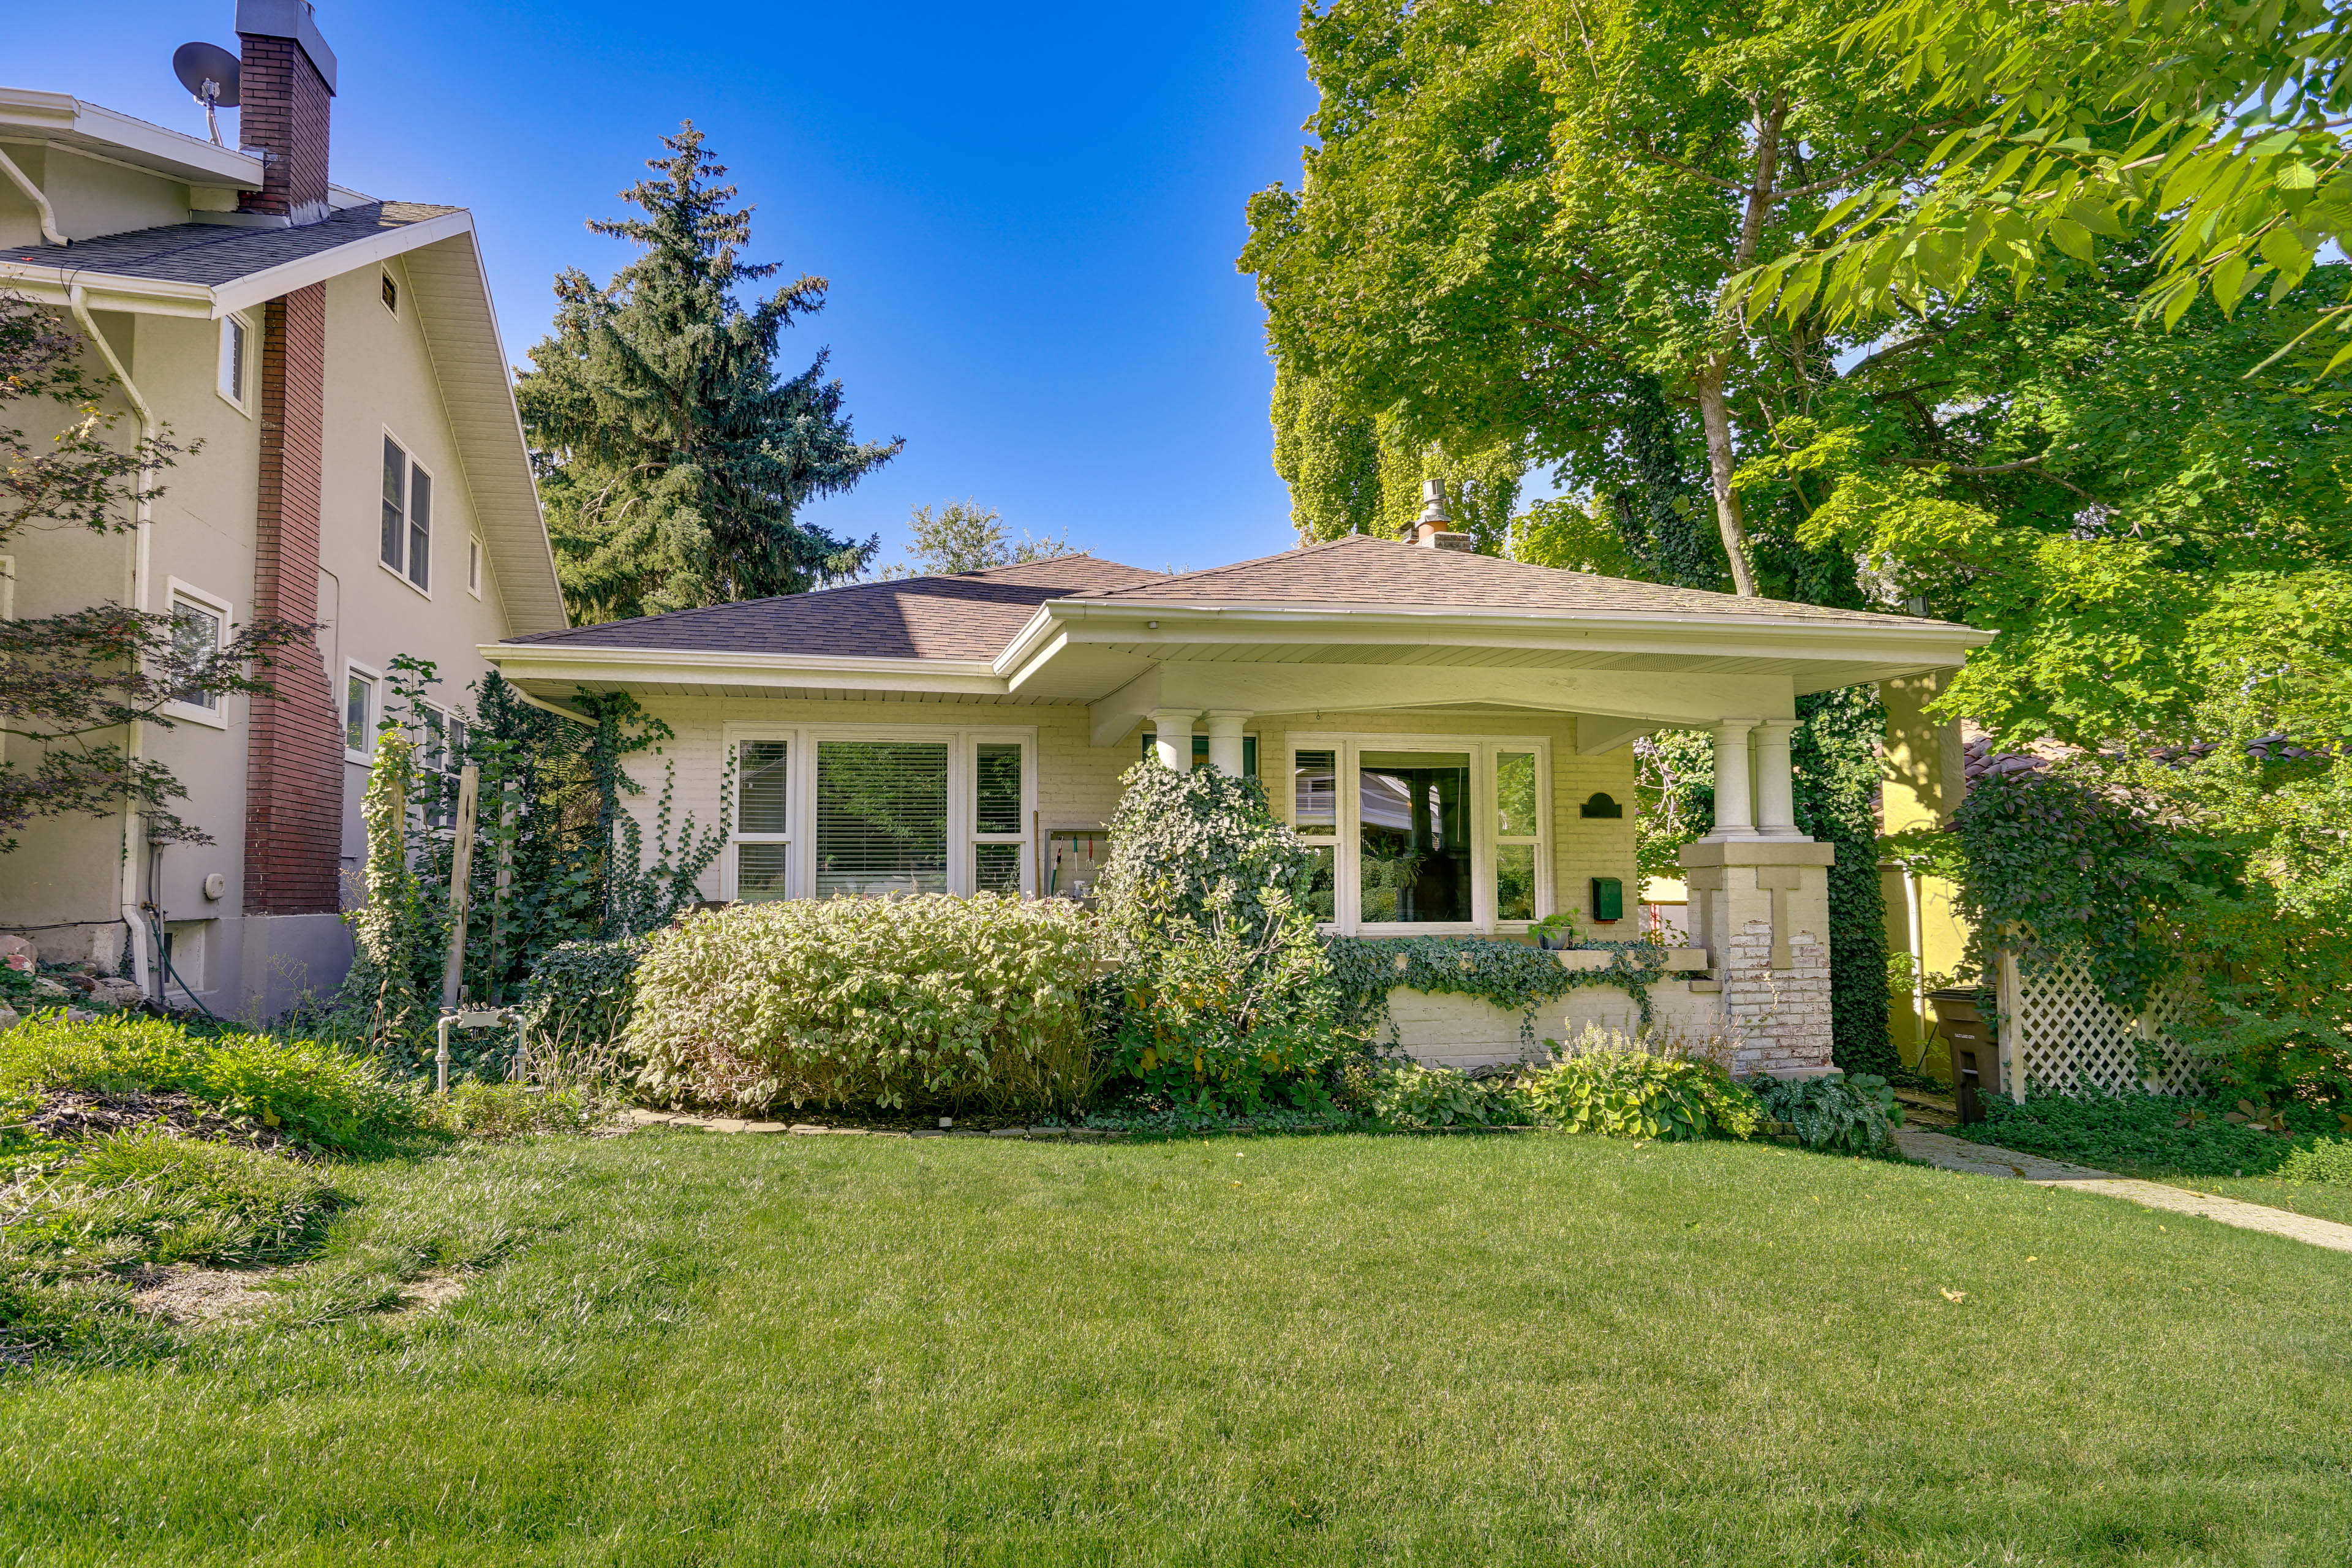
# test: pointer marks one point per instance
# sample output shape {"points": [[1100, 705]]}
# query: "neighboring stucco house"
{"points": [[1452, 728], [363, 468]]}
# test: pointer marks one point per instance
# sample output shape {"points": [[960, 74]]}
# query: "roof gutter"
{"points": [[1040, 626], [37, 197]]}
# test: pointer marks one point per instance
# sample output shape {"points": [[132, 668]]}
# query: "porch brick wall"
{"points": [[1078, 782]]}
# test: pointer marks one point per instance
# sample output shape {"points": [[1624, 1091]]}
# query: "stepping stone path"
{"points": [[637, 1117], [1947, 1152]]}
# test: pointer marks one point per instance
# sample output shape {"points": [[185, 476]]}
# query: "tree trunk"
{"points": [[1715, 416], [1714, 413]]}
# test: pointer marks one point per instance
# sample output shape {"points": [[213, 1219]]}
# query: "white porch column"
{"points": [[1733, 817], [1776, 800], [1225, 739], [1175, 744]]}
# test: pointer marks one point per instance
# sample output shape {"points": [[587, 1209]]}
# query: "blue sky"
{"points": [[1028, 215]]}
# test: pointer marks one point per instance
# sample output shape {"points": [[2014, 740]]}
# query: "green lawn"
{"points": [[700, 1349]]}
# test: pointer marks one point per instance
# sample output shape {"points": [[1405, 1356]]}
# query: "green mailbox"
{"points": [[1607, 899]]}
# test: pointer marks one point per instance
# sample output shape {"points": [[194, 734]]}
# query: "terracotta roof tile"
{"points": [[1362, 570], [968, 616]]}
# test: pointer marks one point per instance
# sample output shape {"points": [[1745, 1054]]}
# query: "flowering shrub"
{"points": [[896, 1002]]}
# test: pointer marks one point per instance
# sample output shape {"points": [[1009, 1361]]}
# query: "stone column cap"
{"points": [[1757, 852]]}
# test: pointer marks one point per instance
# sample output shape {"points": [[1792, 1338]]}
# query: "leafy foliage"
{"points": [[1514, 976], [2321, 1159], [673, 462], [1618, 1090], [1226, 987], [2220, 120], [1844, 1113], [1404, 1094], [927, 1001], [2150, 1133], [68, 679], [305, 1092], [962, 537], [580, 994], [80, 479]]}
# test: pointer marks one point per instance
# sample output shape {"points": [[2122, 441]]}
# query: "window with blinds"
{"points": [[882, 817]]}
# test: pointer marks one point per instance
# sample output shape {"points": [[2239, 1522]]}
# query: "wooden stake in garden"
{"points": [[461, 877]]}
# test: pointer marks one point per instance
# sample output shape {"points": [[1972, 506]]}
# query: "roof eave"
{"points": [[588, 663], [173, 154]]}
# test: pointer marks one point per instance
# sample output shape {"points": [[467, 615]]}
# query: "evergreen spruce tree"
{"points": [[672, 461]]}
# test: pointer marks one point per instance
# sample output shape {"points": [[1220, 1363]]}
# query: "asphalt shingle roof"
{"points": [[966, 616], [1390, 573], [212, 254]]}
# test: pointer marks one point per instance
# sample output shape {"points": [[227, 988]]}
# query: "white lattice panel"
{"points": [[2062, 1035]]}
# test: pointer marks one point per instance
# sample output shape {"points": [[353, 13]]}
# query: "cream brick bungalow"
{"points": [[1452, 730]]}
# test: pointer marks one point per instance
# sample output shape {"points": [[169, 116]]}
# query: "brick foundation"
{"points": [[294, 759]]}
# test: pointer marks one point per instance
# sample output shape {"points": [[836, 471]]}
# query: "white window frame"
{"points": [[473, 564], [412, 466], [396, 290], [241, 400], [375, 678], [800, 798], [216, 717], [1347, 748]]}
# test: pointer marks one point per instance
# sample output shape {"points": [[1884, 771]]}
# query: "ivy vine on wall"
{"points": [[1514, 976]]}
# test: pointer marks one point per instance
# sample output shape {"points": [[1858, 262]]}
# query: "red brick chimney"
{"points": [[286, 85], [294, 755]]}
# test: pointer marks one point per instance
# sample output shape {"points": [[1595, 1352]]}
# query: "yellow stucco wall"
{"points": [[1920, 788]]}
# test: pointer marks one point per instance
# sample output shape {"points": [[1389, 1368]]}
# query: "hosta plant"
{"points": [[1617, 1088]]}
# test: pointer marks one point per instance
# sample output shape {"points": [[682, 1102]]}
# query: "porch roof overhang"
{"points": [[1624, 673]]}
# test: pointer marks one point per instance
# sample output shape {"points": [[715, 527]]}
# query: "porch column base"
{"points": [[1762, 909]]}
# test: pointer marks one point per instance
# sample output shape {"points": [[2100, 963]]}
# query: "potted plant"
{"points": [[1556, 933]]}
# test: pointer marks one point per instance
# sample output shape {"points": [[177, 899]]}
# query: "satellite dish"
{"points": [[209, 72]]}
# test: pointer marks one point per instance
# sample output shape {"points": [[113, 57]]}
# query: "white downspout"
{"points": [[37, 197], [136, 592]]}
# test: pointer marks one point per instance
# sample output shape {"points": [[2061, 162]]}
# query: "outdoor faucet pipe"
{"points": [[142, 515]]}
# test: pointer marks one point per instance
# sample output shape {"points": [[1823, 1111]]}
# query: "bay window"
{"points": [[1423, 834], [875, 812]]}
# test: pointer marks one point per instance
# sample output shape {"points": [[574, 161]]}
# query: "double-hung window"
{"points": [[359, 710], [1423, 834], [865, 813], [199, 632], [405, 544]]}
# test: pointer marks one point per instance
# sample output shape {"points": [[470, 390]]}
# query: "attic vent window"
{"points": [[1600, 804], [391, 295]]}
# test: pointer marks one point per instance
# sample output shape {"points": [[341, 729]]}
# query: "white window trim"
{"points": [[376, 708], [477, 565], [800, 798], [399, 292], [252, 366], [174, 591], [407, 501], [1348, 747]]}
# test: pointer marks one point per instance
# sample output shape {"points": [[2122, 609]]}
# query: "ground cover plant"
{"points": [[2161, 1136], [675, 1348]]}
